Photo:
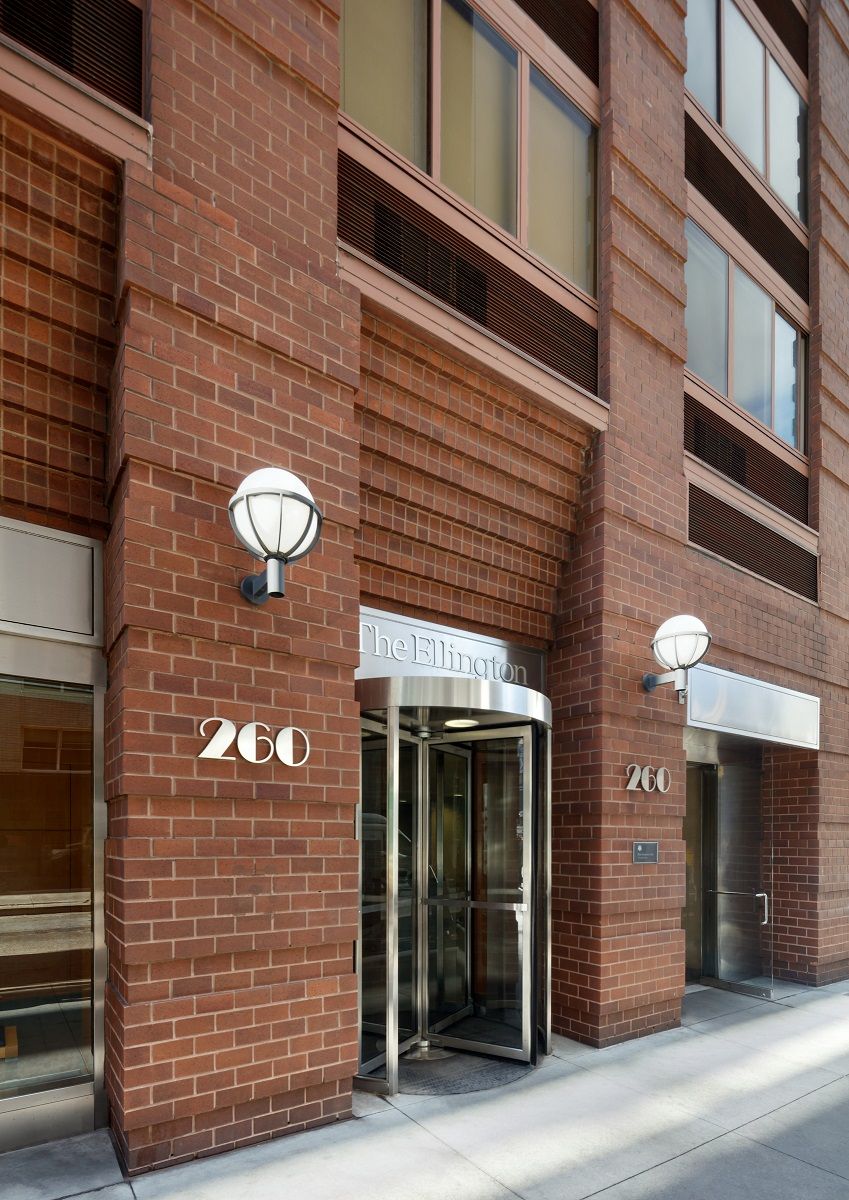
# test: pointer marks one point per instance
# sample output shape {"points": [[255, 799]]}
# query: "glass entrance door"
{"points": [[47, 886], [478, 899], [446, 949]]}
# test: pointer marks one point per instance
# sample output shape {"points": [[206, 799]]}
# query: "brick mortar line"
{"points": [[648, 183], [485, 463], [53, 419], [474, 530], [45, 369], [617, 201], [41, 269], [57, 222], [361, 557], [441, 482], [219, 324], [74, 330], [619, 252], [46, 466], [521, 395], [675, 356], [838, 37], [244, 35], [645, 25], [546, 433]]}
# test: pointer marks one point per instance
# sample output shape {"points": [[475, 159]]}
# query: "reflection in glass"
{"points": [[476, 859], [707, 309], [373, 848], [384, 71], [753, 312], [788, 120], [407, 813], [479, 113], [448, 873], [46, 896], [744, 86], [788, 373], [561, 183], [448, 966], [702, 76], [498, 829]]}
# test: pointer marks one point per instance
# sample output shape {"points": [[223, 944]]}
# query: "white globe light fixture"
{"points": [[276, 519], [679, 644]]}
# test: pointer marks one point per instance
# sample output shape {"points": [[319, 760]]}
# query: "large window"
{"points": [[740, 343], [739, 83], [439, 84], [47, 888]]}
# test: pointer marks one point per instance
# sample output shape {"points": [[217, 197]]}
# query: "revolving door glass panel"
{"points": [[478, 903], [379, 882], [446, 952]]}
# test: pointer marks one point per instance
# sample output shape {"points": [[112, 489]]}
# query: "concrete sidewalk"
{"points": [[748, 1099]]}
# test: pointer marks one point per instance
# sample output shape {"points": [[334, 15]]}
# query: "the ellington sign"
{"points": [[394, 645]]}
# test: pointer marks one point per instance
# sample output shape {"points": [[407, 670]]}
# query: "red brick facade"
{"points": [[194, 309]]}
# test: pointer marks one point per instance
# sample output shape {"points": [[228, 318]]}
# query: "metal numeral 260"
{"points": [[647, 779], [248, 741]]}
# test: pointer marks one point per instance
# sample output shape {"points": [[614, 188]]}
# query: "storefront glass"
{"points": [[46, 885]]}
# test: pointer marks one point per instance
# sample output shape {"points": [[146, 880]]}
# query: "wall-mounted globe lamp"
{"points": [[275, 518], [679, 644]]}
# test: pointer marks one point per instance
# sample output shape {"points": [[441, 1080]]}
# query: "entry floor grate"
{"points": [[457, 1073]]}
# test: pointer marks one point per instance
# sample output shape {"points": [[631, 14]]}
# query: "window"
{"points": [[462, 121], [739, 342], [384, 81], [741, 85]]}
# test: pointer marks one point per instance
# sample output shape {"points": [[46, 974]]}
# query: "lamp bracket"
{"points": [[678, 678], [257, 588]]}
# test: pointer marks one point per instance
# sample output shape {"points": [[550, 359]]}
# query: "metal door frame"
{"points": [[67, 1109]]}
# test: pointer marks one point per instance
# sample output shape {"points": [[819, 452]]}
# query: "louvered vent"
{"points": [[790, 25], [744, 460], [724, 530], [572, 25], [388, 226], [97, 41], [708, 169]]}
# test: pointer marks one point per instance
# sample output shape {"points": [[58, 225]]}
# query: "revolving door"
{"points": [[454, 834]]}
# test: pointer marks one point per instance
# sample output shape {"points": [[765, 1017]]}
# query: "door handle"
{"points": [[757, 895]]}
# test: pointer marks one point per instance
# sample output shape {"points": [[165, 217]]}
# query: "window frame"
{"points": [[772, 48], [724, 403], [425, 187]]}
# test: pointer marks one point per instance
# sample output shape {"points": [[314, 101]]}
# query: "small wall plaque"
{"points": [[645, 852]]}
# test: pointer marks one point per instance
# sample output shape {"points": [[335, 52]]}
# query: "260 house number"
{"points": [[647, 779], [291, 745]]}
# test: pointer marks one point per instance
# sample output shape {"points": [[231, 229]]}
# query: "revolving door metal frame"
{"points": [[515, 712]]}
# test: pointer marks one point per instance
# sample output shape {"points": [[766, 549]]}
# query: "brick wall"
{"points": [[58, 213], [468, 490], [231, 887], [618, 944]]}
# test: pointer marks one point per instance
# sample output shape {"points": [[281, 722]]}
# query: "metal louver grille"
{"points": [[389, 227], [790, 25], [725, 531], [97, 41], [572, 25], [708, 169], [744, 460]]}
